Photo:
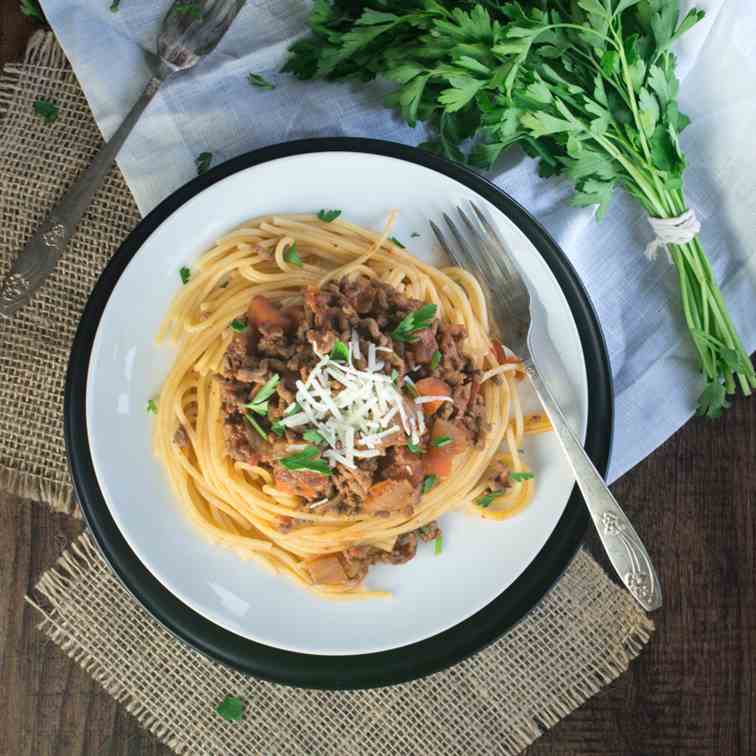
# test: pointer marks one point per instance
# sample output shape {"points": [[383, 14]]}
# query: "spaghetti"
{"points": [[242, 502]]}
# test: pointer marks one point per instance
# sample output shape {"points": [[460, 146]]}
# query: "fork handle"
{"points": [[43, 250], [624, 548]]}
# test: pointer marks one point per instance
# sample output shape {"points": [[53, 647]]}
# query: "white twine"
{"points": [[678, 230]]}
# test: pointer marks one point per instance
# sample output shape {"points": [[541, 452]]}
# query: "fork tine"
{"points": [[484, 260], [453, 256], [468, 259], [504, 261]]}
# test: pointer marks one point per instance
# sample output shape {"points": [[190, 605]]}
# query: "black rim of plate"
{"points": [[366, 670]]}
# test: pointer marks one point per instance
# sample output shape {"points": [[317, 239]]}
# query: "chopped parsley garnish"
{"points": [[239, 325], [152, 407], [485, 500], [31, 9], [291, 255], [189, 9], [520, 476], [185, 274], [313, 437], [251, 420], [415, 448], [340, 352], [307, 460], [292, 409], [278, 428], [258, 81], [413, 322], [414, 235], [231, 708], [440, 441], [47, 110], [397, 242], [328, 215], [410, 386], [115, 5], [259, 403], [428, 482], [394, 375], [438, 545], [203, 162], [435, 360]]}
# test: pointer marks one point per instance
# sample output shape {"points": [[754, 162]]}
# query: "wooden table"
{"points": [[690, 692]]}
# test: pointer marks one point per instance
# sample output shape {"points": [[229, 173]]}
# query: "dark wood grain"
{"points": [[691, 691]]}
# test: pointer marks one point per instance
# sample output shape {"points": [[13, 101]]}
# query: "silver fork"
{"points": [[191, 29], [485, 255]]}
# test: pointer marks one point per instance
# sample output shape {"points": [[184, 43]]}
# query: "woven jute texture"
{"points": [[37, 163], [580, 638]]}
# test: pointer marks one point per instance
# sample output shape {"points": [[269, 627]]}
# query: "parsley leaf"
{"points": [[409, 386], [440, 441], [239, 325], [47, 110], [31, 9], [278, 428], [415, 448], [340, 352], [520, 476], [188, 9], [327, 216], [185, 274], [292, 256], [306, 460], [712, 401], [397, 242], [292, 409], [428, 482], [231, 709], [414, 321], [203, 162], [259, 403], [313, 437], [435, 360], [438, 545], [251, 420], [485, 500], [258, 81], [152, 407]]}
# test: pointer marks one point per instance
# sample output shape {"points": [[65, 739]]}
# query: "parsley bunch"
{"points": [[588, 87]]}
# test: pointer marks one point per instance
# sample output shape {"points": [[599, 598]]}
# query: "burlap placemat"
{"points": [[580, 638]]}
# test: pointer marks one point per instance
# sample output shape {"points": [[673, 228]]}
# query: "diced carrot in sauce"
{"points": [[327, 570], [262, 310], [432, 387], [438, 459], [389, 496]]}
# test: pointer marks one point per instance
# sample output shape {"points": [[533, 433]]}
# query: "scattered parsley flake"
{"points": [[414, 235], [340, 352], [440, 441], [185, 274], [413, 322], [251, 420], [485, 500], [188, 9], [307, 460], [292, 409], [327, 216], [397, 242], [520, 476], [292, 256], [115, 6], [278, 428], [410, 386], [428, 482], [203, 162], [394, 375], [239, 325], [438, 545], [435, 360], [258, 81], [259, 403], [152, 407], [31, 9], [415, 448], [47, 110], [313, 437], [231, 709]]}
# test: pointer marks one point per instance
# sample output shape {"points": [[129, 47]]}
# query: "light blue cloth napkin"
{"points": [[213, 108]]}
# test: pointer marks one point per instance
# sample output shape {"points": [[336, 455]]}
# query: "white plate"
{"points": [[431, 593]]}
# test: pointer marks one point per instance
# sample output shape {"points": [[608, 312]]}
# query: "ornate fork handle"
{"points": [[44, 249], [626, 552]]}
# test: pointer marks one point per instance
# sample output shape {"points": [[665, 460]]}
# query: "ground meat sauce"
{"points": [[280, 342]]}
